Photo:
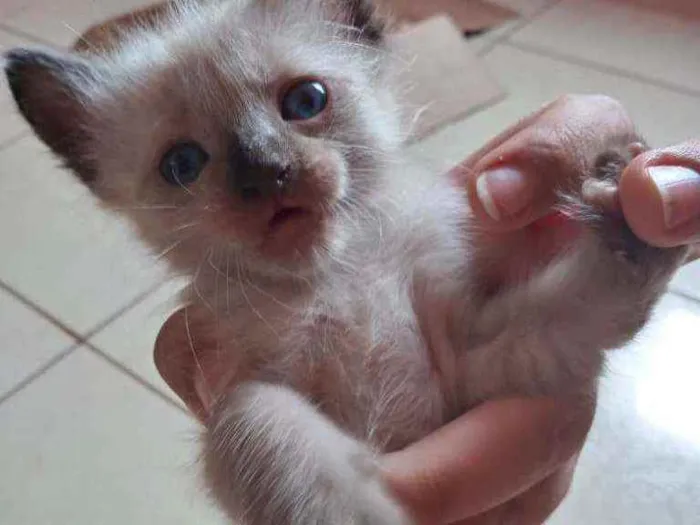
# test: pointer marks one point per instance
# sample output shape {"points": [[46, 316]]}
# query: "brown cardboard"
{"points": [[446, 80], [676, 7], [468, 15]]}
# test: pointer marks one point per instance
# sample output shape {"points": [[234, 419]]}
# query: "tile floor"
{"points": [[90, 434]]}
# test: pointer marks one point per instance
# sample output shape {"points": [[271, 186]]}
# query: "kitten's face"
{"points": [[249, 127]]}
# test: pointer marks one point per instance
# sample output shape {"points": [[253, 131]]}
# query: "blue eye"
{"points": [[304, 100], [183, 163]]}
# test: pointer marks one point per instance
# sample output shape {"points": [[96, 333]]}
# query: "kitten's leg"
{"points": [[272, 459], [548, 334]]}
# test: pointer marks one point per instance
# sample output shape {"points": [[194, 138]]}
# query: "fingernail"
{"points": [[679, 189], [503, 192]]}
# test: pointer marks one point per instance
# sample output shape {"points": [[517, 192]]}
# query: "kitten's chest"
{"points": [[375, 375], [360, 355]]}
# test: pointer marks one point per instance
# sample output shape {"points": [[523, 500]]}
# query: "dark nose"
{"points": [[260, 170], [253, 181]]}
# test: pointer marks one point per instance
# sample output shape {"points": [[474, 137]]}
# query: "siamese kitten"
{"points": [[258, 144]]}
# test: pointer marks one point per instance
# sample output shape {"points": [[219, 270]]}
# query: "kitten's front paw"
{"points": [[596, 203], [356, 495], [271, 458]]}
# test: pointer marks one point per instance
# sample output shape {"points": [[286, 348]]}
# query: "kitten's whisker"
{"points": [[267, 294], [250, 304], [187, 190], [209, 391], [228, 285], [185, 226], [147, 208], [195, 278], [169, 249], [73, 30]]}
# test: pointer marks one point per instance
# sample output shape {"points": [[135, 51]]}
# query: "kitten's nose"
{"points": [[259, 173], [260, 180]]}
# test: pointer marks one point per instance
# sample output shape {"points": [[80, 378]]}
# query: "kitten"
{"points": [[258, 146]]}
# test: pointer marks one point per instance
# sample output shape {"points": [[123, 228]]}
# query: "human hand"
{"points": [[505, 460], [513, 179], [498, 463]]}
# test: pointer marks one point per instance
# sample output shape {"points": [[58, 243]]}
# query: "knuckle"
{"points": [[597, 100]]}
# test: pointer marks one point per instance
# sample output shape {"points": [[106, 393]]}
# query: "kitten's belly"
{"points": [[388, 394], [391, 400]]}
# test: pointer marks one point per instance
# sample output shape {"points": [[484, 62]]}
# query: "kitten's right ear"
{"points": [[50, 91]]}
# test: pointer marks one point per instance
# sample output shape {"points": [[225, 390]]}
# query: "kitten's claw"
{"points": [[598, 205]]}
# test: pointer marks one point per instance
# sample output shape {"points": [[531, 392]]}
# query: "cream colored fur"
{"points": [[384, 330]]}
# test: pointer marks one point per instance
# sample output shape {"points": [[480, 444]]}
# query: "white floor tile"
{"points": [[688, 281], [130, 339], [11, 124], [60, 249], [28, 342], [664, 117], [642, 463], [619, 34], [86, 445], [11, 7], [62, 22]]}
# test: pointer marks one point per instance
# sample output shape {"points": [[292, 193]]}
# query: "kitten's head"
{"points": [[251, 126]]}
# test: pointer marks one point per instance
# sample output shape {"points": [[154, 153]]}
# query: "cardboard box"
{"points": [[446, 80], [467, 15], [689, 8]]}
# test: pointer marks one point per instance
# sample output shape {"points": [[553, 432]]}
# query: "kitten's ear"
{"points": [[365, 17], [49, 89], [361, 15]]}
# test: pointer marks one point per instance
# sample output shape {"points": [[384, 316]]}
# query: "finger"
{"points": [[514, 181], [175, 363], [660, 195], [534, 506], [487, 457], [694, 254]]}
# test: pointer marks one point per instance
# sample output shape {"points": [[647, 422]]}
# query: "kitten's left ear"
{"points": [[50, 90], [364, 16]]}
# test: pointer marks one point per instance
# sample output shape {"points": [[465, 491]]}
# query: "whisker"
{"points": [[169, 249], [250, 304], [185, 226], [228, 286], [200, 369], [147, 208], [193, 283]]}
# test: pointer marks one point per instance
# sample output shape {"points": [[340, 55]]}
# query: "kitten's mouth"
{"points": [[291, 231], [285, 216]]}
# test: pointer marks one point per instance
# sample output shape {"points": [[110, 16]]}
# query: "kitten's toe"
{"points": [[597, 204]]}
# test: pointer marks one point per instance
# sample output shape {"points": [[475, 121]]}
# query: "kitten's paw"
{"points": [[596, 203], [356, 495]]}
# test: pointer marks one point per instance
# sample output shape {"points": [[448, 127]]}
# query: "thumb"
{"points": [[660, 195]]}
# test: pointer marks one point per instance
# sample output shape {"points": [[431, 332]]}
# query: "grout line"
{"points": [[12, 140], [135, 377], [80, 339], [38, 373], [524, 22], [685, 295], [41, 311], [22, 34], [590, 64]]}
